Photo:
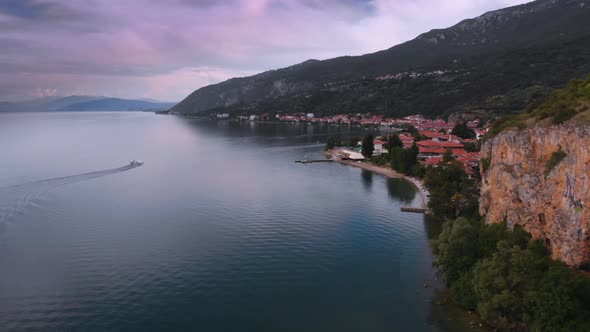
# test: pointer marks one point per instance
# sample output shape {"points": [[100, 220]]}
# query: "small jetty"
{"points": [[314, 161], [413, 209]]}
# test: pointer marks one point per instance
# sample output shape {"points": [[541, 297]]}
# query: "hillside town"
{"points": [[433, 137]]}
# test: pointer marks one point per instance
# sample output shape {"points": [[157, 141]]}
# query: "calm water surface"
{"points": [[218, 231]]}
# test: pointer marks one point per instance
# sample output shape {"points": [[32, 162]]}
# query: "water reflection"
{"points": [[223, 124], [402, 190], [265, 132], [367, 177], [432, 226]]}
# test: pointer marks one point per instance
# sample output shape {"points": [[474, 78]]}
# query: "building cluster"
{"points": [[416, 121], [432, 147], [432, 150], [434, 139], [399, 76]]}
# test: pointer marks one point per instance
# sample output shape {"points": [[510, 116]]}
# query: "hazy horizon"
{"points": [[55, 97]]}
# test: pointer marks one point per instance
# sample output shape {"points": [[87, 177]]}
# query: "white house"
{"points": [[378, 144]]}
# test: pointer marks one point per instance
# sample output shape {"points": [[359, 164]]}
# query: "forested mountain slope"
{"points": [[498, 62]]}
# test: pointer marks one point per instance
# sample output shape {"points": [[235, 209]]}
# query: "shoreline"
{"points": [[385, 171]]}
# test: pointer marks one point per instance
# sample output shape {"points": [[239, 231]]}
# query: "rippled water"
{"points": [[218, 231]]}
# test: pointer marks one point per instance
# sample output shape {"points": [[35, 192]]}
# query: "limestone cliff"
{"points": [[553, 204]]}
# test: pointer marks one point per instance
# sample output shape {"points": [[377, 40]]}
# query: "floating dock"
{"points": [[414, 210]]}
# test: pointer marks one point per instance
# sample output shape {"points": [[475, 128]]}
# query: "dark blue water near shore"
{"points": [[218, 231]]}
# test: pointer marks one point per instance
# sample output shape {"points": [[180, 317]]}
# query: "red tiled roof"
{"points": [[431, 150], [428, 143], [456, 152], [431, 134], [451, 145], [467, 160], [433, 161], [434, 144], [459, 152], [406, 138]]}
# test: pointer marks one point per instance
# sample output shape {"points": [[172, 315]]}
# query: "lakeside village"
{"points": [[433, 138]]}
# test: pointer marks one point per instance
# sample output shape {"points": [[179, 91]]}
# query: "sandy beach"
{"points": [[385, 171]]}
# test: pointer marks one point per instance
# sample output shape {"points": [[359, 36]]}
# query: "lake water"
{"points": [[219, 230]]}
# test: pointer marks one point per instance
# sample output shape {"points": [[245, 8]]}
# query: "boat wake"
{"points": [[15, 199]]}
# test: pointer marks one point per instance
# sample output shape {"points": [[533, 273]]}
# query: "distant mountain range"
{"points": [[496, 63], [83, 104]]}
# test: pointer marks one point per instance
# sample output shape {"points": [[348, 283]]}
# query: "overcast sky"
{"points": [[165, 49]]}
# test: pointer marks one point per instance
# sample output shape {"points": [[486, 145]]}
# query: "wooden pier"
{"points": [[413, 209], [314, 161]]}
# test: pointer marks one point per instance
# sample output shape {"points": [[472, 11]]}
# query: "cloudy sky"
{"points": [[165, 49]]}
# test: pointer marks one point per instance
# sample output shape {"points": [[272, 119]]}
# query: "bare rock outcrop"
{"points": [[552, 203]]}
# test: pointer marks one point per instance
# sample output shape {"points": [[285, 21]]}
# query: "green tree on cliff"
{"points": [[456, 249]]}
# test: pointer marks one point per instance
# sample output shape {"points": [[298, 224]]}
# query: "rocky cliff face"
{"points": [[495, 26], [552, 205]]}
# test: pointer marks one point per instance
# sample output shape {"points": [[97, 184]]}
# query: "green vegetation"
{"points": [[408, 128], [332, 143], [337, 141], [472, 147], [354, 141], [404, 160], [506, 123], [555, 158], [509, 279], [563, 104], [560, 106], [485, 163], [452, 193], [462, 130], [380, 160], [394, 142], [368, 146], [448, 156]]}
